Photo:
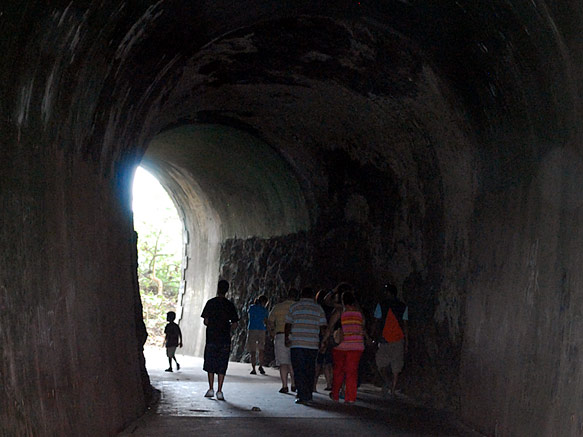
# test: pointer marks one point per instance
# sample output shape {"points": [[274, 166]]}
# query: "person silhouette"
{"points": [[172, 339], [220, 316]]}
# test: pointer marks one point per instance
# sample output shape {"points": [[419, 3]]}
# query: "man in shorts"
{"points": [[220, 316], [256, 332], [391, 316], [276, 324]]}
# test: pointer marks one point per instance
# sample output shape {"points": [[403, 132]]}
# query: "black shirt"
{"points": [[172, 332], [220, 313]]}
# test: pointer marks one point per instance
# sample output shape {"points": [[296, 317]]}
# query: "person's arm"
{"points": [[327, 330], [323, 331], [270, 324], [267, 328], [265, 321], [205, 314], [363, 325], [328, 299], [331, 300], [376, 326], [179, 337], [234, 321], [234, 316]]}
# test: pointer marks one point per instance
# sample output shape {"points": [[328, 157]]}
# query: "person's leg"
{"points": [[328, 374], [338, 357], [317, 373], [250, 346], [260, 359], [351, 366], [383, 363], [281, 358], [328, 368], [290, 368], [170, 354], [209, 366], [221, 379], [387, 377], [253, 358], [311, 355], [283, 371], [397, 362], [303, 385], [222, 365], [395, 379], [260, 350], [210, 392], [295, 359], [292, 378]]}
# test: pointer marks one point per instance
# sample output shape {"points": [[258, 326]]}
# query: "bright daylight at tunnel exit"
{"points": [[159, 230]]}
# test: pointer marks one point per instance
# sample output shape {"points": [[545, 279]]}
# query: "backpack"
{"points": [[392, 314]]}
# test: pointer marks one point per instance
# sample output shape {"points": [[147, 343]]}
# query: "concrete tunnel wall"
{"points": [[437, 146]]}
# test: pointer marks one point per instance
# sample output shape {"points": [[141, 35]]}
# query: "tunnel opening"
{"points": [[232, 191], [160, 248]]}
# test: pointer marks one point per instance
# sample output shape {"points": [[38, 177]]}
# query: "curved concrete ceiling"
{"points": [[222, 174]]}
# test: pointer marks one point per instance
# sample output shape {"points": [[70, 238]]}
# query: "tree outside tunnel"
{"points": [[159, 232]]}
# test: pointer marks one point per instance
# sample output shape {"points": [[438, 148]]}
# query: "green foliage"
{"points": [[159, 253], [155, 309], [156, 260]]}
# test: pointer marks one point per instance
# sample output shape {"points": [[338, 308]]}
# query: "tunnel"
{"points": [[433, 145], [228, 186]]}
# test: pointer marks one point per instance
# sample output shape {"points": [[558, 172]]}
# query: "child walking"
{"points": [[172, 340]]}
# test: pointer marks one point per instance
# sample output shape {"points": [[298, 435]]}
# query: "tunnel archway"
{"points": [[226, 184], [419, 137], [380, 152]]}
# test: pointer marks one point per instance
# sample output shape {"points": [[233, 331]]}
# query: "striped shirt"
{"points": [[306, 317], [352, 328], [278, 313]]}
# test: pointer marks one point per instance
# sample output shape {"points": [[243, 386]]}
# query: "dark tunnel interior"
{"points": [[436, 146]]}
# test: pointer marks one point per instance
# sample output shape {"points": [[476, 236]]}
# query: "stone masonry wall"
{"points": [[263, 266]]}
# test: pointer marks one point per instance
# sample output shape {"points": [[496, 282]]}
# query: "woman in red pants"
{"points": [[346, 355]]}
